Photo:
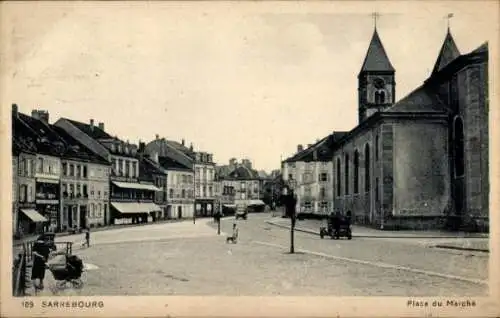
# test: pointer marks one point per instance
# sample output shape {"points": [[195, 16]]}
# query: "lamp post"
{"points": [[290, 202]]}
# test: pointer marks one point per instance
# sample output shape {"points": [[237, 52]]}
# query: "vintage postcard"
{"points": [[289, 158]]}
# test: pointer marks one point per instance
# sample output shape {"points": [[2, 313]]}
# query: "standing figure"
{"points": [[41, 252], [87, 237]]}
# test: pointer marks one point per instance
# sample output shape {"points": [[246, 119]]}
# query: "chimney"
{"points": [[101, 126], [91, 124], [309, 145], [191, 147], [15, 110], [183, 142], [300, 148], [157, 136], [40, 115], [142, 147]]}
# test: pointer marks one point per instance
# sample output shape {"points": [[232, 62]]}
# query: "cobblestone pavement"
{"points": [[190, 259]]}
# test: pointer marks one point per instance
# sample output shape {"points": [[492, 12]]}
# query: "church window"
{"points": [[459, 147], [346, 177], [356, 171], [338, 177], [367, 168], [380, 97]]}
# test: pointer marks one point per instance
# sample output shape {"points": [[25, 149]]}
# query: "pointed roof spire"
{"points": [[449, 51], [376, 58]]}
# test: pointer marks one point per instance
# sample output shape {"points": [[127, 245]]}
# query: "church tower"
{"points": [[376, 80]]}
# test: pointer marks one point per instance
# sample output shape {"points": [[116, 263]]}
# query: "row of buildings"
{"points": [[71, 175], [420, 162]]}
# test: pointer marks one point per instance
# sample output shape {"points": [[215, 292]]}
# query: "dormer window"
{"points": [[126, 150], [113, 147], [119, 148]]}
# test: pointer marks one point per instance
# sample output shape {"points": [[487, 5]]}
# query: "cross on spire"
{"points": [[375, 16], [448, 17]]}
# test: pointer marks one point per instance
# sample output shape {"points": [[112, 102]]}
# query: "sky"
{"points": [[245, 80]]}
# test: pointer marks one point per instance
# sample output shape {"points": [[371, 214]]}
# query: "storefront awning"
{"points": [[132, 207], [255, 202], [138, 186], [231, 206], [33, 215]]}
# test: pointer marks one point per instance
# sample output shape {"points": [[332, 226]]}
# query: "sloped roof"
{"points": [[322, 150], [449, 51], [169, 163], [149, 167], [167, 150], [421, 99], [23, 138], [47, 140], [180, 147], [242, 172], [94, 132], [75, 149], [376, 58]]}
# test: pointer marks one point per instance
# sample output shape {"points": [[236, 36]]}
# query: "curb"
{"points": [[471, 249], [373, 236]]}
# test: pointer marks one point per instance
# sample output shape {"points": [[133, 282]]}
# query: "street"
{"points": [[191, 259]]}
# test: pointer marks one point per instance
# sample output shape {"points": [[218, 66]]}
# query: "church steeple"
{"points": [[376, 80], [449, 51], [376, 58]]}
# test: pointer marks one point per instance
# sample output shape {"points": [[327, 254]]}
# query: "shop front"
{"points": [[204, 208]]}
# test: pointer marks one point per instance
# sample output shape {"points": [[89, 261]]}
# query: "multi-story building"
{"points": [[180, 181], [50, 148], [204, 176], [180, 196], [131, 201], [151, 171], [224, 195], [246, 184], [312, 170], [84, 186], [25, 219]]}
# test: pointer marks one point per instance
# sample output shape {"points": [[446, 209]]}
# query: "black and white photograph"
{"points": [[248, 149]]}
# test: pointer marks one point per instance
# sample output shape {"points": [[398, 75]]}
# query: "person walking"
{"points": [[87, 237]]}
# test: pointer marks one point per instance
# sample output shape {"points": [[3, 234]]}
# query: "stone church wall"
{"points": [[421, 170]]}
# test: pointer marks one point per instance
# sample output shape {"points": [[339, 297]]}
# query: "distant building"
{"points": [[49, 150], [131, 201], [150, 170], [84, 186], [25, 219], [245, 181], [312, 171], [180, 180]]}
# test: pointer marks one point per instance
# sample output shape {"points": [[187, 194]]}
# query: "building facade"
{"points": [[421, 162], [204, 176], [84, 186], [312, 172], [180, 195], [151, 171], [130, 200]]}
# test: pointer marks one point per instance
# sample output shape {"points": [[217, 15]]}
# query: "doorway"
{"points": [[70, 217], [179, 212], [83, 216]]}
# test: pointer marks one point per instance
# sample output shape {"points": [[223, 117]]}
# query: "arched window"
{"points": [[367, 168], [346, 174], [338, 177], [380, 97], [356, 171], [458, 140]]}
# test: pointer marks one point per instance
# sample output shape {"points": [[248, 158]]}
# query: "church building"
{"points": [[421, 162]]}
